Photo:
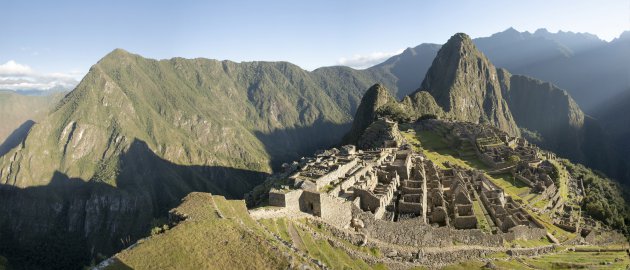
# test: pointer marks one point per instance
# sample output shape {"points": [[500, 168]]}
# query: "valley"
{"points": [[434, 158], [319, 234]]}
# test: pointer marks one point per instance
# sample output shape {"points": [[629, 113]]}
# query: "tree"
{"points": [[514, 159]]}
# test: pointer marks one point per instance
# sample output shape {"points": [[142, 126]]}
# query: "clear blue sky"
{"points": [[69, 36]]}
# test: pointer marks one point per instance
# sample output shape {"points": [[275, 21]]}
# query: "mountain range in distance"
{"points": [[137, 135]]}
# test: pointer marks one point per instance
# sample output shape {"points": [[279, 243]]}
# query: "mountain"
{"points": [[137, 135], [557, 121], [406, 70], [465, 84], [374, 98], [590, 69], [19, 113], [613, 116]]}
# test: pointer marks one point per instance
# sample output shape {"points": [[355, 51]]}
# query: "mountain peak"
{"points": [[510, 34], [459, 43], [377, 91], [542, 31], [374, 98], [465, 84], [117, 53], [624, 35], [459, 38]]}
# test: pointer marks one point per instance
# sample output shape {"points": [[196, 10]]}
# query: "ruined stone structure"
{"points": [[394, 185]]}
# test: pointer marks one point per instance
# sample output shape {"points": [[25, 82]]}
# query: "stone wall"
{"points": [[415, 233], [465, 222], [288, 199], [531, 251], [310, 202], [277, 198], [335, 211], [368, 201], [335, 174], [522, 232]]}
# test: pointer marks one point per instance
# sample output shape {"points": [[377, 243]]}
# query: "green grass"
{"points": [[511, 185], [564, 179], [205, 241], [282, 229], [529, 243], [584, 260], [561, 260], [373, 251], [4, 263], [540, 204], [482, 223], [333, 257], [439, 152]]}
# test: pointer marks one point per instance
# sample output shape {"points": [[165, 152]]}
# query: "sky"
{"points": [[48, 43]]}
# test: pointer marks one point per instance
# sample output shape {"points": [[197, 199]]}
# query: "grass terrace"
{"points": [[561, 260], [434, 147], [217, 234], [482, 222]]}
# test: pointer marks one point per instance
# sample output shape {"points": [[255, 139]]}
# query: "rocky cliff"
{"points": [[137, 135], [374, 98], [462, 84], [465, 84]]}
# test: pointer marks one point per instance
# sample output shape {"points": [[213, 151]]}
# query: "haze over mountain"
{"points": [[19, 112], [467, 87], [590, 69], [614, 119], [137, 135]]}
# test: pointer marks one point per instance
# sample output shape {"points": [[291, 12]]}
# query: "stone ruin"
{"points": [[395, 184]]}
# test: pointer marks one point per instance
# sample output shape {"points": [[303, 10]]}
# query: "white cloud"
{"points": [[360, 61], [15, 76], [12, 68]]}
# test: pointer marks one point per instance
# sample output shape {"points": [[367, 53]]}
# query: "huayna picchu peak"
{"points": [[321, 138]]}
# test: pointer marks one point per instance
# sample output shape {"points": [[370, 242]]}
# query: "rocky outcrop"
{"points": [[374, 98], [556, 119], [380, 133], [465, 84]]}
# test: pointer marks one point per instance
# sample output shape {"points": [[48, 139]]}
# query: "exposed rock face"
{"points": [[613, 116], [465, 84], [422, 103], [553, 114], [375, 97], [546, 109], [379, 133], [137, 135], [406, 70]]}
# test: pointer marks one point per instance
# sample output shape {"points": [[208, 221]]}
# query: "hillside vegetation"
{"points": [[137, 135], [19, 113]]}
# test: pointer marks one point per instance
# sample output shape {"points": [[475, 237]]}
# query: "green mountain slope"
{"points": [[613, 116], [137, 135], [557, 121], [19, 113], [463, 85]]}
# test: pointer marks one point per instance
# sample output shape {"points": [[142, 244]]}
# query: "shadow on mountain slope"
{"points": [[70, 222], [16, 137], [285, 145]]}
